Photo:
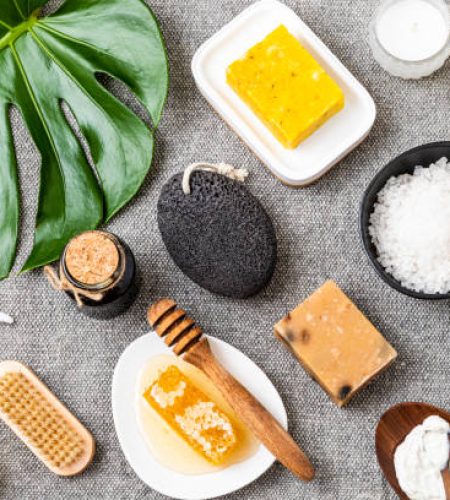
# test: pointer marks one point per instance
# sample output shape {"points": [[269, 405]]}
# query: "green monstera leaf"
{"points": [[45, 61]]}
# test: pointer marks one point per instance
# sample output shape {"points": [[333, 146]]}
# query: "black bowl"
{"points": [[403, 164]]}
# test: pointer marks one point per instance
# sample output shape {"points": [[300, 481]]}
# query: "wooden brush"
{"points": [[42, 422], [186, 339]]}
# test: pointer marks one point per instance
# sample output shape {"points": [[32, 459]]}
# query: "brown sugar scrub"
{"points": [[98, 271], [336, 344]]}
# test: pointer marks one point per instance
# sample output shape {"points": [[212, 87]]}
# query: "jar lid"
{"points": [[92, 259]]}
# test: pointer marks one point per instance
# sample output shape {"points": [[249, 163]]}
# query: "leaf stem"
{"points": [[19, 11], [45, 25], [14, 33], [7, 26]]}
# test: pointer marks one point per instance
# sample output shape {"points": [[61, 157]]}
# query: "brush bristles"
{"points": [[40, 425]]}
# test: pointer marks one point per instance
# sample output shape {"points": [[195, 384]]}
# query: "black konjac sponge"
{"points": [[219, 235]]}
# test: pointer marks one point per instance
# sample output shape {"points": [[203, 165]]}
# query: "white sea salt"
{"points": [[410, 227]]}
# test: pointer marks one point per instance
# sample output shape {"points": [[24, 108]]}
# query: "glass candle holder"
{"points": [[411, 38]]}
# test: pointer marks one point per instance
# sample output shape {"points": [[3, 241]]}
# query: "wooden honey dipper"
{"points": [[186, 339]]}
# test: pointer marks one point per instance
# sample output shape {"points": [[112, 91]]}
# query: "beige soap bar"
{"points": [[335, 342]]}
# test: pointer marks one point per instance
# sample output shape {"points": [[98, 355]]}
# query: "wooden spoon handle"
{"points": [[263, 425], [446, 477]]}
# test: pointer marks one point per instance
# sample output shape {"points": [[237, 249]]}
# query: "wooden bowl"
{"points": [[392, 430]]}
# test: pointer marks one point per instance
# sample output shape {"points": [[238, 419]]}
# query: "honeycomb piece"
{"points": [[192, 415]]}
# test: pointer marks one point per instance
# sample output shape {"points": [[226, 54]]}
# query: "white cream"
{"points": [[420, 459], [412, 30]]}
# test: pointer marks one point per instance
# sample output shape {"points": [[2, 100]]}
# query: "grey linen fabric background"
{"points": [[318, 239]]}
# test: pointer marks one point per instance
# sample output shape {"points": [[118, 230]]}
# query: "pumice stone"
{"points": [[219, 235]]}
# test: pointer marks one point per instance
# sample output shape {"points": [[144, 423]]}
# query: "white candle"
{"points": [[411, 38], [412, 30]]}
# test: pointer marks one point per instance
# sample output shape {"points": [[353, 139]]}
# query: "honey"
{"points": [[171, 379], [190, 413]]}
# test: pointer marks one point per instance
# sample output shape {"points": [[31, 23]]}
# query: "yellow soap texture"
{"points": [[192, 415], [337, 345], [286, 87]]}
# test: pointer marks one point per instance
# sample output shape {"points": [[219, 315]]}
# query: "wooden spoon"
{"points": [[446, 479], [392, 430], [187, 340]]}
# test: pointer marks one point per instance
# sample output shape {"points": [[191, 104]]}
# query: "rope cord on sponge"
{"points": [[236, 174]]}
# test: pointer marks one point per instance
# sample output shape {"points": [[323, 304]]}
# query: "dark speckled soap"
{"points": [[220, 236]]}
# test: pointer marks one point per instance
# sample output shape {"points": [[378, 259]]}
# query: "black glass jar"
{"points": [[104, 255]]}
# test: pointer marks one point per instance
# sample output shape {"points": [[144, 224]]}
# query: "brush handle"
{"points": [[263, 425]]}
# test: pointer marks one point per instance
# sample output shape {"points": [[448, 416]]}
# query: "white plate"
{"points": [[323, 149], [137, 453]]}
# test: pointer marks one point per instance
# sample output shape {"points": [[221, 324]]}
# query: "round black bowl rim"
{"points": [[366, 208]]}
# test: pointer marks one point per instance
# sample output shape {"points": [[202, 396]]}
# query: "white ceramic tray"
{"points": [[155, 475], [323, 149]]}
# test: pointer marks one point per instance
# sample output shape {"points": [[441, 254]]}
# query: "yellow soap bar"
{"points": [[337, 345], [286, 87], [192, 415]]}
